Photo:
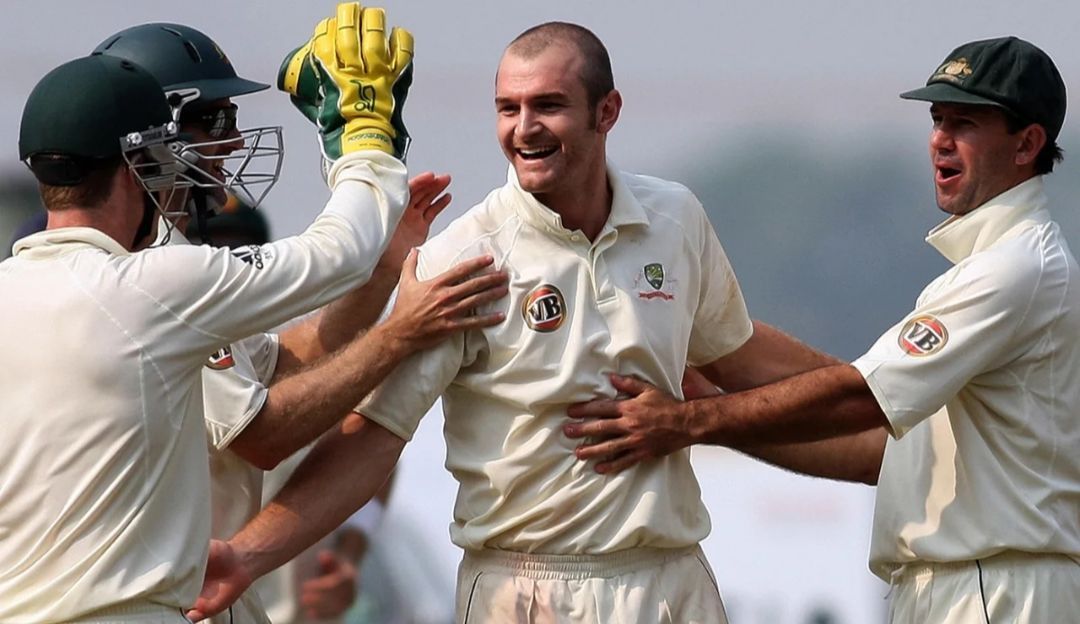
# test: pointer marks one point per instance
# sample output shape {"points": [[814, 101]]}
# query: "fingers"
{"points": [[323, 48], [592, 429], [434, 208], [620, 463], [477, 283], [462, 270], [373, 39], [423, 189], [486, 293], [401, 48], [629, 385], [602, 450], [289, 76], [602, 408], [195, 615], [408, 268], [347, 36]]}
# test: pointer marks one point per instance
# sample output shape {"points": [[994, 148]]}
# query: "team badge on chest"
{"points": [[652, 275], [923, 335], [544, 309]]}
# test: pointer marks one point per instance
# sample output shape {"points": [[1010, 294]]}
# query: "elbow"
{"points": [[267, 462], [869, 476], [261, 456]]}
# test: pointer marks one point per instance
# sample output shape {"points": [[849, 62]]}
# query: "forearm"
{"points": [[336, 324], [855, 457], [823, 403], [300, 408], [767, 357], [342, 472]]}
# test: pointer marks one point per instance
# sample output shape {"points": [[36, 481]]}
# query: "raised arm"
{"points": [[341, 321]]}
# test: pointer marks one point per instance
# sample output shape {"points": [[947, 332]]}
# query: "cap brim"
{"points": [[945, 92], [210, 90]]}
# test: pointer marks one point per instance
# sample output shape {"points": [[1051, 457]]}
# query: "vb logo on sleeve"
{"points": [[923, 335]]}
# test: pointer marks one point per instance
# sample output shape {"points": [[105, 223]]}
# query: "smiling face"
{"points": [[974, 156], [212, 136], [548, 131]]}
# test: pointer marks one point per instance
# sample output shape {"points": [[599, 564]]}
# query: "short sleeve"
{"points": [[967, 322], [233, 390], [721, 321]]}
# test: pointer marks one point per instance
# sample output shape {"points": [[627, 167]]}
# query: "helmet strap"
{"points": [[200, 208], [147, 222]]}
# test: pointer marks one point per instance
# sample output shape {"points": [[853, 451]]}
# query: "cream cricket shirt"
{"points": [[653, 292], [234, 382], [104, 484], [981, 386]]}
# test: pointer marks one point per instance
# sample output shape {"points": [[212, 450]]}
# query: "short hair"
{"points": [[1050, 154], [596, 73], [91, 190]]}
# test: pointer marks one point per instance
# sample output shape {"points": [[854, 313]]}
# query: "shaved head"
{"points": [[596, 69]]}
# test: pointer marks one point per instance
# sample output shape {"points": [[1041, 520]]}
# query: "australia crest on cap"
{"points": [[955, 71]]}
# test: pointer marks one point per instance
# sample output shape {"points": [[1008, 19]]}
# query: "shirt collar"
{"points": [[51, 243], [961, 236], [625, 208]]}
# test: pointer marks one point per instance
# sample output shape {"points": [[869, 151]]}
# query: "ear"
{"points": [[607, 111], [1032, 140]]}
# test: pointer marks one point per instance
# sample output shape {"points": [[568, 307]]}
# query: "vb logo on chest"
{"points": [[544, 309]]}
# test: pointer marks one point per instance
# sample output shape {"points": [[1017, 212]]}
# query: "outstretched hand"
{"points": [[427, 312], [226, 579], [623, 432], [427, 198]]}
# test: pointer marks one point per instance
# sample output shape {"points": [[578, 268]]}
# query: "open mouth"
{"points": [[946, 174], [536, 153]]}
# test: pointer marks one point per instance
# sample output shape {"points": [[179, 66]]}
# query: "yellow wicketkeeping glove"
{"points": [[352, 81]]}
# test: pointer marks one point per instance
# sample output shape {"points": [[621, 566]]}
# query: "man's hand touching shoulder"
{"points": [[427, 312]]}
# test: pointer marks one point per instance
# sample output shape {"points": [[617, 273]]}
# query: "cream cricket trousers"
{"points": [[640, 586], [1009, 588], [136, 612]]}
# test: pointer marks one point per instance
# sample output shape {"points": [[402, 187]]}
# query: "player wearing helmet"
{"points": [[106, 514]]}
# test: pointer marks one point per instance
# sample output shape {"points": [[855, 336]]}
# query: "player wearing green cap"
{"points": [[969, 404]]}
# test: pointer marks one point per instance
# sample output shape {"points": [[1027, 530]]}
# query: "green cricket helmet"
{"points": [[197, 76], [95, 109]]}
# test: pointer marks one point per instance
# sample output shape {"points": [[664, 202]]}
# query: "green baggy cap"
{"points": [[1006, 72]]}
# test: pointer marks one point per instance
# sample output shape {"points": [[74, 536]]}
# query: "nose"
{"points": [[941, 140], [528, 122], [233, 141]]}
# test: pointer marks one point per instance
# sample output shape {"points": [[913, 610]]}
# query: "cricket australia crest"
{"points": [[651, 283]]}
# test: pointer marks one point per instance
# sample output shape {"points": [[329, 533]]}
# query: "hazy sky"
{"points": [[698, 78]]}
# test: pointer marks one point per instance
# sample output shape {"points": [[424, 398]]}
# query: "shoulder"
{"points": [[468, 235], [658, 194]]}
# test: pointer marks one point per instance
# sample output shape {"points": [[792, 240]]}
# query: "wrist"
{"points": [[393, 335]]}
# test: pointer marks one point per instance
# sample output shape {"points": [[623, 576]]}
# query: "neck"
{"points": [[112, 217], [585, 208]]}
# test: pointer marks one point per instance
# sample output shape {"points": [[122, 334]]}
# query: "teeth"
{"points": [[535, 151]]}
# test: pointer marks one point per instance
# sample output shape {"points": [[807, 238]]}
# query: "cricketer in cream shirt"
{"points": [[105, 480], [651, 294], [985, 456]]}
